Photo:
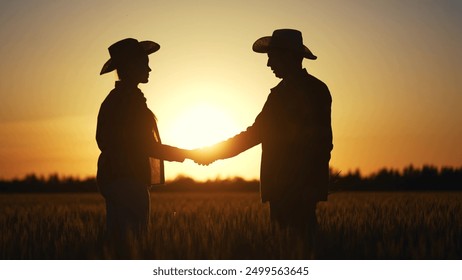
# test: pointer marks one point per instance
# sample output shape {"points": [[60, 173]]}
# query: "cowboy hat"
{"points": [[285, 39], [125, 50]]}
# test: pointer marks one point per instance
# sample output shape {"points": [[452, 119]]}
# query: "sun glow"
{"points": [[201, 125]]}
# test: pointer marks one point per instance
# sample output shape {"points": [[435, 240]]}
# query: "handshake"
{"points": [[202, 156]]}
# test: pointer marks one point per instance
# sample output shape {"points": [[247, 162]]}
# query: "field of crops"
{"points": [[365, 225]]}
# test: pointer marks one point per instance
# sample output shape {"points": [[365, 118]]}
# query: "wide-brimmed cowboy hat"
{"points": [[283, 39], [127, 49]]}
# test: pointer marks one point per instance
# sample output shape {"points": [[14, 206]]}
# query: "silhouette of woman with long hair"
{"points": [[132, 154]]}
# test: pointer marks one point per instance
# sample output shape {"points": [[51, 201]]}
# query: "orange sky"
{"points": [[393, 68]]}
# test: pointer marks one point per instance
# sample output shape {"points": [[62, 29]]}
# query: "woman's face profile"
{"points": [[141, 69], [136, 70]]}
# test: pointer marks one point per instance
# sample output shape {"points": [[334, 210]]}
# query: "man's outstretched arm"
{"points": [[241, 142]]}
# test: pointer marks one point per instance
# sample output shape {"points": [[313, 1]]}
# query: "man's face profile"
{"points": [[282, 62]]}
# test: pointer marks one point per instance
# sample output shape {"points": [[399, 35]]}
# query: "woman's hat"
{"points": [[285, 39], [126, 50]]}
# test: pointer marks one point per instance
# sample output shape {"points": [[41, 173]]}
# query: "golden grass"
{"points": [[407, 225]]}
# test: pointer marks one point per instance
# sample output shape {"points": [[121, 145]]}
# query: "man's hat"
{"points": [[126, 50], [284, 39]]}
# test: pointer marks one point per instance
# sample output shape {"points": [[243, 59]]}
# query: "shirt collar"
{"points": [[125, 86]]}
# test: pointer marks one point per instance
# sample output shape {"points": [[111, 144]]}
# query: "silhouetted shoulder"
{"points": [[114, 101], [318, 87], [110, 98], [315, 81]]}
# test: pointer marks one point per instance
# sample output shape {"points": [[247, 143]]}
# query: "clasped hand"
{"points": [[202, 156]]}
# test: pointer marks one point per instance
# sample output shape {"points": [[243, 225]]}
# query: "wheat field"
{"points": [[227, 225]]}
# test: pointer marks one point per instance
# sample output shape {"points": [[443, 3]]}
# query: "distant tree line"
{"points": [[53, 183], [410, 178]]}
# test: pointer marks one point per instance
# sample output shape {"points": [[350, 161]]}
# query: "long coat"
{"points": [[129, 140], [294, 128]]}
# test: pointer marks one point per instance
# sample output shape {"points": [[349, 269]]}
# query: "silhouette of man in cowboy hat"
{"points": [[294, 128]]}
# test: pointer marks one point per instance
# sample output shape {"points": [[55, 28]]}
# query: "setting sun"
{"points": [[201, 125]]}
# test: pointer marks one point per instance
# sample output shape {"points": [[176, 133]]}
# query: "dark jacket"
{"points": [[294, 128], [128, 137]]}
